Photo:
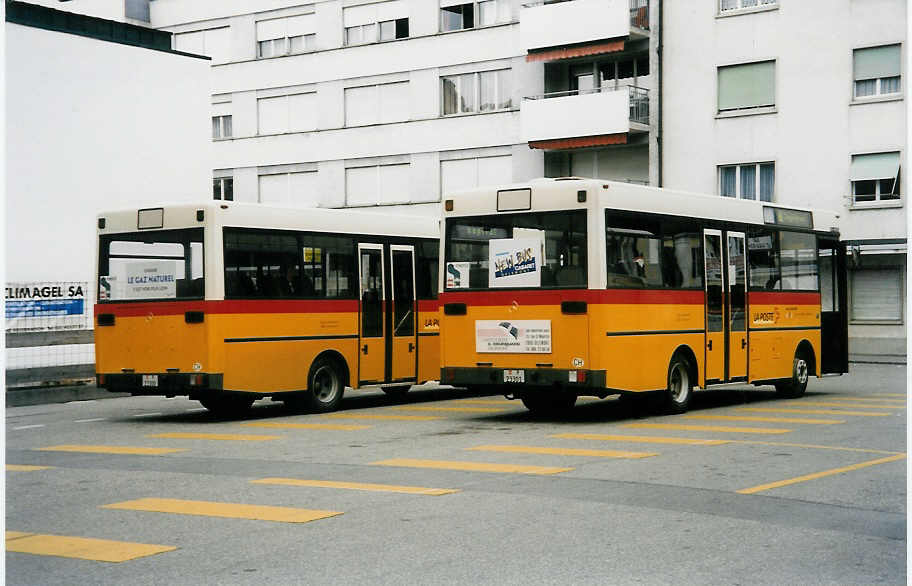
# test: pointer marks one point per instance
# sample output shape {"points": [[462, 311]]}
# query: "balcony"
{"points": [[548, 24], [584, 119]]}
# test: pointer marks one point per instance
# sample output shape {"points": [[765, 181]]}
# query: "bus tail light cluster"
{"points": [[196, 380], [577, 376]]}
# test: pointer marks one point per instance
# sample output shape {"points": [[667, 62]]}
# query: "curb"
{"points": [[62, 394]]}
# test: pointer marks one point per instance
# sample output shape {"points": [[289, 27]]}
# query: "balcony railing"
{"points": [[639, 10], [639, 100]]}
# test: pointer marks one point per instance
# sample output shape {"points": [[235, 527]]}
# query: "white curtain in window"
{"points": [[394, 183], [361, 106], [361, 186], [767, 181], [877, 294], [302, 112], [273, 115], [274, 189], [394, 102], [748, 182]]}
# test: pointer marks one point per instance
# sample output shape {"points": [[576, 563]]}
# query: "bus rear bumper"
{"points": [[168, 384], [544, 377]]}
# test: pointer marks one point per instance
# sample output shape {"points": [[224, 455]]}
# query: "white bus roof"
{"points": [[561, 194], [254, 215]]}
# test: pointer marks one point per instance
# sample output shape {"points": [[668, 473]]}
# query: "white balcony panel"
{"points": [[576, 116], [579, 21]]}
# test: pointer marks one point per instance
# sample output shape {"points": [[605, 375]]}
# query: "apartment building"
{"points": [[800, 102]]}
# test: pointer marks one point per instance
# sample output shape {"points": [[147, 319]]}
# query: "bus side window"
{"points": [[763, 260]]}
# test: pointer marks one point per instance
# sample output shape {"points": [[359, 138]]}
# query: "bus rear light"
{"points": [[577, 376], [101, 380], [196, 380]]}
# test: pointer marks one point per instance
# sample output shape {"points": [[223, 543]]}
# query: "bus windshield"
{"points": [[159, 265], [539, 249]]}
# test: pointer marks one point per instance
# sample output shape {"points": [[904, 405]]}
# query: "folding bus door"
{"points": [[405, 336], [372, 277], [834, 325], [736, 302], [715, 322]]}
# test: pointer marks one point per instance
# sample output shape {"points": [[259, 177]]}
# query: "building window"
{"points": [[876, 295], [215, 43], [223, 188], [878, 71], [461, 174], [747, 86], [748, 181], [380, 21], [289, 189], [221, 126], [377, 185], [729, 5], [387, 30], [457, 16], [286, 36], [875, 177], [377, 104], [485, 91], [281, 114]]}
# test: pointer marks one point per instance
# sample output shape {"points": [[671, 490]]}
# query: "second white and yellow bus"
{"points": [[567, 287], [230, 302]]}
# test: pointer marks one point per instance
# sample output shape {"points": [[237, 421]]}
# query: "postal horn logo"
{"points": [[510, 329]]}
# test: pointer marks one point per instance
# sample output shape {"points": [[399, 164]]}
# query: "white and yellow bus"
{"points": [[230, 302], [567, 287]]}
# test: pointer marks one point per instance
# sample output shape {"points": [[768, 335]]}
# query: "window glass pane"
{"points": [[748, 182], [887, 189], [889, 85], [564, 238], [339, 260], [712, 245], [216, 127], [488, 85], [426, 269], [216, 189], [633, 252], [174, 253], [226, 126], [353, 35], [763, 260], [388, 30], [748, 3], [228, 188], [625, 69], [865, 87], [876, 294], [402, 28], [467, 93], [450, 95], [265, 48], [607, 72], [504, 90], [682, 257], [798, 254], [728, 182], [751, 85], [767, 182], [451, 18], [371, 294], [261, 263], [370, 33], [403, 294], [865, 190], [729, 4], [297, 44], [642, 65]]}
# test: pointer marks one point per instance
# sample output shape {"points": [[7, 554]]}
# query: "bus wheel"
{"points": [[396, 391], [324, 385], [795, 386], [548, 403], [228, 406], [680, 387]]}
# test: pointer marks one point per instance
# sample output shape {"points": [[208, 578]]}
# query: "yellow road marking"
{"points": [[11, 535], [812, 411], [454, 409], [227, 510], [222, 437], [471, 466], [83, 548], [763, 430], [816, 475], [24, 468], [812, 446], [391, 417], [110, 449], [327, 426], [564, 451], [765, 419], [866, 400], [357, 486], [485, 402], [903, 395], [852, 405], [641, 439]]}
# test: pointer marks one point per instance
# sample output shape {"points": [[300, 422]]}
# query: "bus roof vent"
{"points": [[568, 178]]}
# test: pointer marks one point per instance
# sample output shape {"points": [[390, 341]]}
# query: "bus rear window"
{"points": [[543, 249], [160, 265]]}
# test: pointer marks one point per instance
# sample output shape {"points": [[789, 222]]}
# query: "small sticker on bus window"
{"points": [[457, 275]]}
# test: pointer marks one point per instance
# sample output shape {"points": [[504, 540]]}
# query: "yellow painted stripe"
{"points": [[823, 474], [765, 419], [486, 401], [812, 411], [11, 535], [222, 437], [641, 439], [866, 400], [564, 451], [24, 468], [388, 417], [852, 405], [812, 447], [453, 409], [110, 449], [83, 548], [724, 429], [227, 510], [327, 426], [356, 486], [471, 466], [903, 395]]}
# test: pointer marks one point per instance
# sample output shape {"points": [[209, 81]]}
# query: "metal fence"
{"points": [[48, 330], [639, 105], [639, 13]]}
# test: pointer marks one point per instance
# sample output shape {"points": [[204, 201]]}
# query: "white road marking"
{"points": [[89, 420], [196, 409], [28, 426], [146, 414], [86, 401]]}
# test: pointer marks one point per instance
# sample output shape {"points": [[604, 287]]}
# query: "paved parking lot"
{"points": [[444, 486]]}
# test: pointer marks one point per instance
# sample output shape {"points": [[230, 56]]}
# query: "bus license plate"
{"points": [[514, 376], [150, 380]]}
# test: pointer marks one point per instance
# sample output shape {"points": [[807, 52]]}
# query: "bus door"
{"points": [[372, 343], [736, 302], [715, 331], [403, 326], [834, 325]]}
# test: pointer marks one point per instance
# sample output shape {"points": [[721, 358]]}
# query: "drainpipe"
{"points": [[659, 137]]}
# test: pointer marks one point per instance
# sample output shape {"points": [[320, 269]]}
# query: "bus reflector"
{"points": [[448, 205], [196, 380], [454, 308]]}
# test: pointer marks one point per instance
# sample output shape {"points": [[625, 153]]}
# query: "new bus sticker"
{"points": [[514, 262]]}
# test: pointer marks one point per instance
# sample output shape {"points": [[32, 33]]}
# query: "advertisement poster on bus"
{"points": [[149, 280], [514, 262], [47, 306], [457, 275], [514, 336]]}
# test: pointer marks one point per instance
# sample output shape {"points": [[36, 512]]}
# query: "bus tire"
{"points": [[227, 406], [549, 403], [679, 385], [396, 391], [794, 387], [325, 385]]}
